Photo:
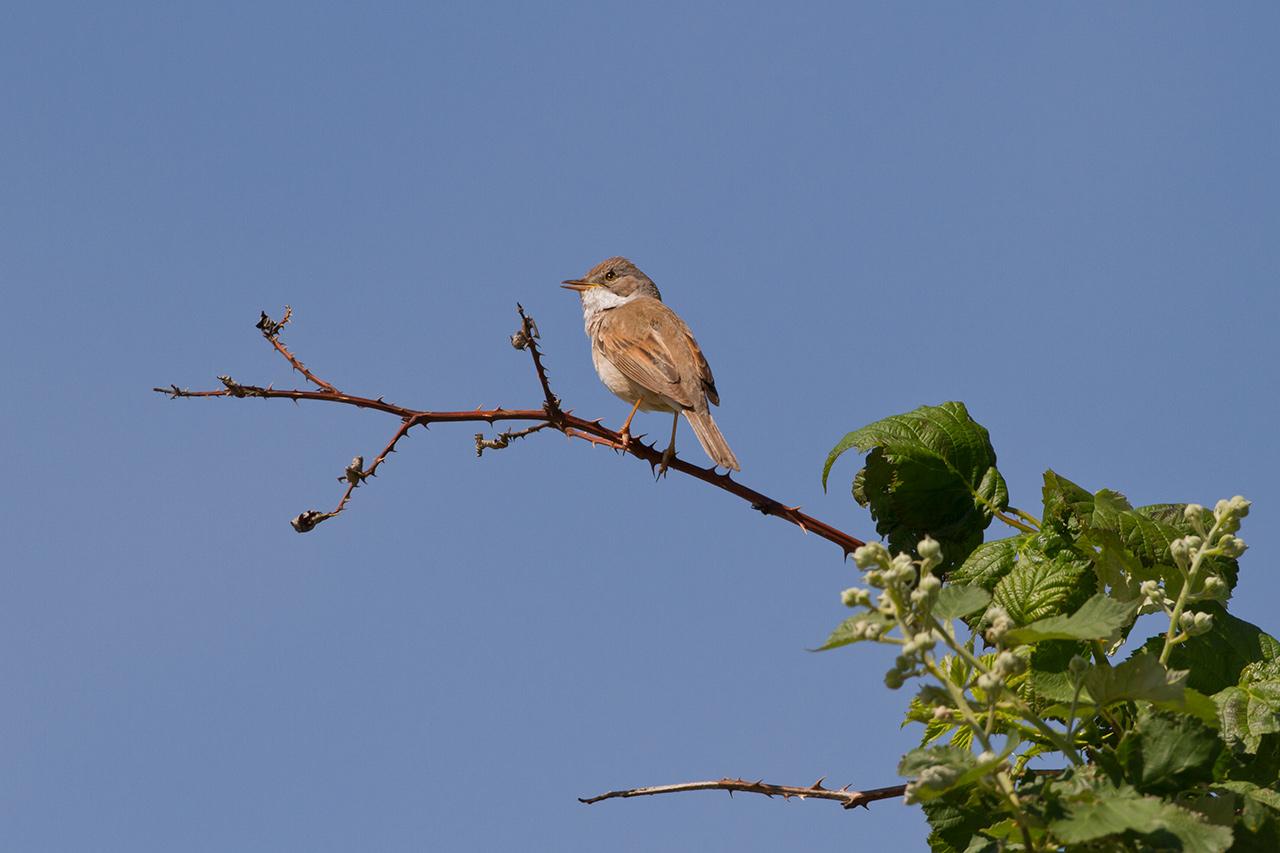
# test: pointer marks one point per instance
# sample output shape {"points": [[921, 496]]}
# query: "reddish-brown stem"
{"points": [[528, 336], [271, 331], [844, 796], [405, 425], [551, 414]]}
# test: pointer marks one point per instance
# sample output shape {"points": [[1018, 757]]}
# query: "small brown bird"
{"points": [[646, 355]]}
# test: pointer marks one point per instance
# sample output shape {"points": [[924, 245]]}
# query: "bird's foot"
{"points": [[667, 456], [624, 439]]}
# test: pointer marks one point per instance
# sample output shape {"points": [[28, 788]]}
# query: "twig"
{"points": [[847, 798], [271, 331], [527, 337], [505, 438], [551, 415]]}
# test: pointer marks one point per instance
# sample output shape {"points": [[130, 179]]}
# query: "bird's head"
{"points": [[617, 277]]}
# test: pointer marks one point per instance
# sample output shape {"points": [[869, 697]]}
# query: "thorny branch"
{"points": [[551, 415], [847, 798], [271, 331]]}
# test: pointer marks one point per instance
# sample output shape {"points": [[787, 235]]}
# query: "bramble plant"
{"points": [[1018, 645]]}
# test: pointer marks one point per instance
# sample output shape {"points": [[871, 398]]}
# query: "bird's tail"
{"points": [[704, 427]]}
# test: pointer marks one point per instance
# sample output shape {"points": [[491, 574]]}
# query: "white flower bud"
{"points": [[990, 683], [1007, 664], [876, 578], [1187, 620], [929, 550], [854, 597], [1232, 546], [903, 570], [1194, 512], [871, 554], [1214, 587], [942, 713], [999, 624], [1203, 623], [924, 640], [1240, 506]]}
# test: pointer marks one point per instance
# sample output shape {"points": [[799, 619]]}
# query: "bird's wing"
{"points": [[653, 348], [704, 369]]}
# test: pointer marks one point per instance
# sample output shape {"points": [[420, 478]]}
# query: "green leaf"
{"points": [[1248, 712], [1217, 658], [1099, 618], [988, 563], [848, 631], [1042, 586], [1168, 752], [956, 817], [1264, 796], [1132, 544], [938, 769], [931, 472], [1065, 505], [1261, 767], [1145, 816], [1140, 677], [957, 600]]}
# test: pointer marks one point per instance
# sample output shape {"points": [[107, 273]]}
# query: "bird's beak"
{"points": [[578, 285]]}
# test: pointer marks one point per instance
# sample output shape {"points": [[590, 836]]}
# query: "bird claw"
{"points": [[667, 456]]}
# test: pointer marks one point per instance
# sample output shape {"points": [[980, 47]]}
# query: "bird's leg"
{"points": [[625, 432], [670, 452]]}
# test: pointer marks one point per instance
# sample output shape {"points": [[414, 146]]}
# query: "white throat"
{"points": [[597, 299]]}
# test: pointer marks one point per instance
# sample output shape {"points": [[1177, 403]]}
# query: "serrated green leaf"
{"points": [[1143, 816], [1065, 505], [928, 472], [939, 769], [848, 631], [1248, 712], [956, 817], [1140, 677], [1042, 586], [1262, 767], [1099, 618], [1265, 796], [957, 600], [1167, 752], [988, 563], [1133, 544]]}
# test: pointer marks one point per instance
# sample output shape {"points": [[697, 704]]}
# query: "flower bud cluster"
{"points": [[855, 597], [998, 622], [908, 590], [1006, 665], [1192, 624], [1214, 537]]}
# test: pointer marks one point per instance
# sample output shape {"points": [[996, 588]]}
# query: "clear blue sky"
{"points": [[1066, 217]]}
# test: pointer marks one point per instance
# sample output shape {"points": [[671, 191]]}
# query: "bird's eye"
{"points": [[610, 274]]}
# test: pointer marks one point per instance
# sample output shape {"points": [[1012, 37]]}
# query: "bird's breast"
{"points": [[622, 386]]}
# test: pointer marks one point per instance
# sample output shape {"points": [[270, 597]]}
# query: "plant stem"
{"points": [[1026, 516], [1172, 637]]}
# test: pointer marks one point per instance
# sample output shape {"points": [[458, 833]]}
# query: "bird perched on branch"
{"points": [[646, 355]]}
